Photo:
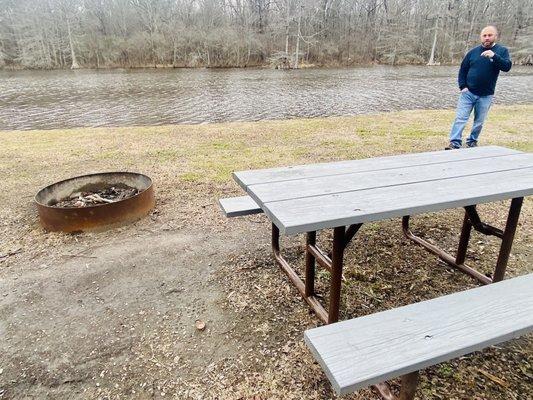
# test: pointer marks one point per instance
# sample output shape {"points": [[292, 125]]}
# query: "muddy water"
{"points": [[66, 99]]}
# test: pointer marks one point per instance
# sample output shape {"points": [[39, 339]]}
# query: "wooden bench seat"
{"points": [[368, 350], [239, 206]]}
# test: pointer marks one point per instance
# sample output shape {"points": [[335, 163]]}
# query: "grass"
{"points": [[209, 153]]}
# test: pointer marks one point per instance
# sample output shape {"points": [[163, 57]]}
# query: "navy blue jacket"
{"points": [[479, 74]]}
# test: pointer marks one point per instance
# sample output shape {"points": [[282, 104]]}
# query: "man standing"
{"points": [[477, 79]]}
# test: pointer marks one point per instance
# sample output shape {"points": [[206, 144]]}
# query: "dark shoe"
{"points": [[452, 146], [471, 144]]}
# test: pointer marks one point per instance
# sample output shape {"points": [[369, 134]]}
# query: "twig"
{"points": [[258, 288], [493, 378], [78, 255], [11, 253]]}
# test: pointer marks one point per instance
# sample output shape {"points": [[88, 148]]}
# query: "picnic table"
{"points": [[344, 195]]}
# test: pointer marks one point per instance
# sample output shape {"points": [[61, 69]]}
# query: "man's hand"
{"points": [[488, 54], [464, 90]]}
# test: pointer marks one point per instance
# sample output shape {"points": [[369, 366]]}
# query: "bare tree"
{"points": [[436, 31], [222, 33]]}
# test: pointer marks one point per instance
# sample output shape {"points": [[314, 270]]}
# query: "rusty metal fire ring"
{"points": [[98, 216]]}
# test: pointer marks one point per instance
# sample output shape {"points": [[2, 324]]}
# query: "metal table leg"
{"points": [[508, 237], [336, 274], [310, 265], [313, 256], [312, 300], [472, 220]]}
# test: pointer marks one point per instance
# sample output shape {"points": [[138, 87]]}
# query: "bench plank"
{"points": [[372, 349], [246, 178], [239, 206], [331, 210]]}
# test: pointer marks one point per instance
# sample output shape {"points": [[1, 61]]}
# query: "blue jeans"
{"points": [[467, 102]]}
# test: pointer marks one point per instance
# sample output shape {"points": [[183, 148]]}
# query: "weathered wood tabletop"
{"points": [[313, 197]]}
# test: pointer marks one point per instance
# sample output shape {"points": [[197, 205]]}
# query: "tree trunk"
{"points": [[432, 56], [467, 44], [297, 51], [152, 50], [287, 40], [174, 54], [287, 29], [74, 64]]}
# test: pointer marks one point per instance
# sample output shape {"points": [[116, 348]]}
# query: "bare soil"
{"points": [[112, 315]]}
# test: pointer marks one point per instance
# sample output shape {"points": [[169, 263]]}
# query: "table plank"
{"points": [[331, 210], [306, 187], [246, 178], [372, 349]]}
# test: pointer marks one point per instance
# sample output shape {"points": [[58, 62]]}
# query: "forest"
{"points": [[57, 34]]}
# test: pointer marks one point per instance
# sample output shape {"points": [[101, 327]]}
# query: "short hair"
{"points": [[493, 27]]}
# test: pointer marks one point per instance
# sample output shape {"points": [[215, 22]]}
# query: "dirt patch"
{"points": [[115, 316]]}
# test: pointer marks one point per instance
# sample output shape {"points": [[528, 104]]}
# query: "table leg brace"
{"points": [[470, 221]]}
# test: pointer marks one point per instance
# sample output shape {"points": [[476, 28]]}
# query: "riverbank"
{"points": [[112, 314], [302, 65]]}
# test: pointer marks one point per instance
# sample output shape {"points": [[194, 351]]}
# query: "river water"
{"points": [[90, 98]]}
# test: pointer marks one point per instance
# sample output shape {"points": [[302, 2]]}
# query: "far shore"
{"points": [[258, 66], [252, 66]]}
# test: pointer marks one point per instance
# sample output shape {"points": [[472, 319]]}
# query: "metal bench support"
{"points": [[407, 390], [313, 256], [470, 221]]}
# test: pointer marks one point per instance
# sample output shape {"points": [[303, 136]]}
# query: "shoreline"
{"points": [[259, 66], [381, 114]]}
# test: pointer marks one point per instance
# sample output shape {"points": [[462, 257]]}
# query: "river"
{"points": [[91, 98]]}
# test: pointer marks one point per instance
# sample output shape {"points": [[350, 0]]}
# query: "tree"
{"points": [[129, 33]]}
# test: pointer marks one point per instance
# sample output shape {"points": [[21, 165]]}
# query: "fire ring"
{"points": [[98, 216]]}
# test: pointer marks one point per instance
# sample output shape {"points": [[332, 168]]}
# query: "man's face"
{"points": [[488, 36]]}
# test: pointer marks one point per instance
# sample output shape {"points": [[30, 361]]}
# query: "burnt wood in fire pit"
{"points": [[107, 195]]}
